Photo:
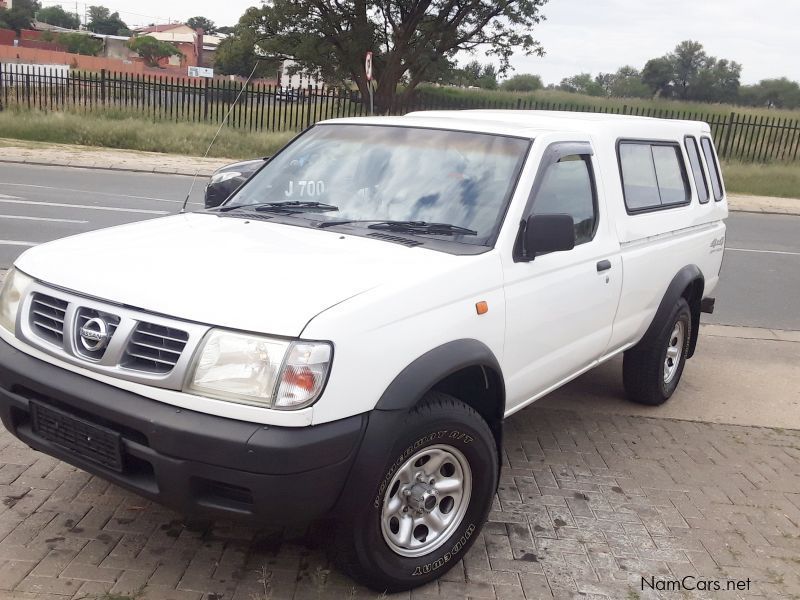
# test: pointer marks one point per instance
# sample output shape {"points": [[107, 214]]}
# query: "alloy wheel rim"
{"points": [[674, 352], [426, 501]]}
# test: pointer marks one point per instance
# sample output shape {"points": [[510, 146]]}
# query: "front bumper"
{"points": [[198, 464]]}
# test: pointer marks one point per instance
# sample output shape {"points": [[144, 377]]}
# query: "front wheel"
{"points": [[429, 503]]}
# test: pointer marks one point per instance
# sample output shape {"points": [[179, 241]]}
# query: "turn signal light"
{"points": [[481, 307]]}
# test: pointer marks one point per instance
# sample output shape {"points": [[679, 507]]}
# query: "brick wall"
{"points": [[88, 63], [7, 36]]}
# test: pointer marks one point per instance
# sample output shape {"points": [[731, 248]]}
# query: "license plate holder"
{"points": [[78, 436]]}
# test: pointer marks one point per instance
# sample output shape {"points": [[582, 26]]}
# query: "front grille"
{"points": [[89, 441], [47, 317], [109, 338], [154, 348], [83, 316]]}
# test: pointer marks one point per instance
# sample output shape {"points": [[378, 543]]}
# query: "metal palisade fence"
{"points": [[264, 107]]}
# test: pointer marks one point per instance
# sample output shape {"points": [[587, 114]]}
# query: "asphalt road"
{"points": [[760, 276], [38, 204]]}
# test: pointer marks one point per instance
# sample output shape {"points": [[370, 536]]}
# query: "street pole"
{"points": [[371, 105]]}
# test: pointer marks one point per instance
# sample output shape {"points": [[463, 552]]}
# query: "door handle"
{"points": [[603, 265]]}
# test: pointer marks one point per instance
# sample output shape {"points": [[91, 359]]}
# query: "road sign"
{"points": [[368, 66], [200, 72]]}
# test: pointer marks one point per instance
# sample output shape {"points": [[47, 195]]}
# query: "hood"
{"points": [[246, 167], [230, 272]]}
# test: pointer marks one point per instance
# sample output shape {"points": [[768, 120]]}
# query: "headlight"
{"points": [[220, 177], [259, 370], [15, 285]]}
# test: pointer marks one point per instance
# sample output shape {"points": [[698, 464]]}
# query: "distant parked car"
{"points": [[227, 180], [287, 95]]}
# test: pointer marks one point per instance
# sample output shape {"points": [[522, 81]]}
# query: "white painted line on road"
{"points": [[59, 189], [10, 197], [762, 251], [86, 206], [17, 243], [41, 219]]}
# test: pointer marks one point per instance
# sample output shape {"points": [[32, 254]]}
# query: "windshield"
{"points": [[375, 173]]}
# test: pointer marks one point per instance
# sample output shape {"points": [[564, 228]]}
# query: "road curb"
{"points": [[151, 171]]}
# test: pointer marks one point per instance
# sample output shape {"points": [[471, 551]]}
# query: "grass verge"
{"points": [[114, 130], [781, 180]]}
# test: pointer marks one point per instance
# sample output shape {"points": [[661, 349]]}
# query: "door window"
{"points": [[568, 188]]}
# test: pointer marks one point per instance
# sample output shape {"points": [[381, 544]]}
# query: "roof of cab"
{"points": [[527, 123]]}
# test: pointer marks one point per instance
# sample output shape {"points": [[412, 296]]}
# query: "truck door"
{"points": [[560, 306]]}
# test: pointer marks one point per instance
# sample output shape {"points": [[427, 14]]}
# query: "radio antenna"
{"points": [[219, 129]]}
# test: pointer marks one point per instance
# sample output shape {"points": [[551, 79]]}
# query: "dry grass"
{"points": [[112, 130], [775, 179]]}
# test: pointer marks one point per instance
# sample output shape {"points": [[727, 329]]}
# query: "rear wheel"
{"points": [[429, 503], [652, 369]]}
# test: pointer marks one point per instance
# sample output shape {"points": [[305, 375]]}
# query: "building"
{"points": [[290, 76], [189, 41], [6, 4]]}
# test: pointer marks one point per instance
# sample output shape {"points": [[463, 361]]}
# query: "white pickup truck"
{"points": [[346, 334]]}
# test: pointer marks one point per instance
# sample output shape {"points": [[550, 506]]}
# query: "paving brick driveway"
{"points": [[587, 505]]}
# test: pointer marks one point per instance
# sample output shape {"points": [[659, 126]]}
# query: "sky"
{"points": [[590, 35]]}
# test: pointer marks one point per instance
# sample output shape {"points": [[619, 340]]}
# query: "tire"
{"points": [[648, 376], [457, 439]]}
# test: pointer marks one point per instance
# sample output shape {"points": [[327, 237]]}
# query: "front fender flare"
{"points": [[402, 394], [407, 389]]}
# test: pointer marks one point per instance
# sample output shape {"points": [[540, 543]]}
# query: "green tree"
{"points": [[152, 50], [20, 16], [55, 15], [207, 25], [102, 20], [333, 37], [658, 74], [772, 93], [604, 81], [687, 60], [582, 83], [717, 81], [488, 78], [80, 43], [627, 83], [689, 73], [236, 55], [438, 69], [522, 83]]}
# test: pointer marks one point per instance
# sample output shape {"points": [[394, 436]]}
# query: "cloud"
{"points": [[594, 36], [602, 35]]}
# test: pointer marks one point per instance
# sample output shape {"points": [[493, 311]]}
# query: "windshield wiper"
{"points": [[299, 205], [287, 206], [423, 227], [407, 227]]}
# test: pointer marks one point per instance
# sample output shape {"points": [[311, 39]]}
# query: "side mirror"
{"points": [[548, 233]]}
